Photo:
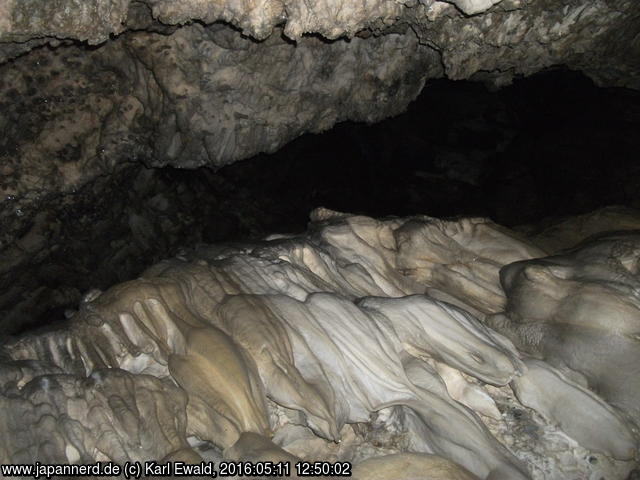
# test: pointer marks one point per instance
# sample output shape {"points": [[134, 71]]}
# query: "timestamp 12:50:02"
{"points": [[283, 469]]}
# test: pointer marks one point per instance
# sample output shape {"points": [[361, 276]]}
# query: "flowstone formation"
{"points": [[364, 341]]}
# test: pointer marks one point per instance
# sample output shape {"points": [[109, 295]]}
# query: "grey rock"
{"points": [[167, 83]]}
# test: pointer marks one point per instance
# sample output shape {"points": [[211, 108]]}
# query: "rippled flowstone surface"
{"points": [[405, 344]]}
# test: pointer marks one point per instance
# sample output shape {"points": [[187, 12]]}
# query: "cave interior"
{"points": [[145, 135]]}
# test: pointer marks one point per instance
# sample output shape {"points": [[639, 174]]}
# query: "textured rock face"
{"points": [[514, 38], [495, 36], [277, 350], [88, 89], [201, 96], [207, 96], [583, 300]]}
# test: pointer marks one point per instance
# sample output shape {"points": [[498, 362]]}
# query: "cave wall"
{"points": [[92, 91], [204, 93]]}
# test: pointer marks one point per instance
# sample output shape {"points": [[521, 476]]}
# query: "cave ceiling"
{"points": [[89, 87]]}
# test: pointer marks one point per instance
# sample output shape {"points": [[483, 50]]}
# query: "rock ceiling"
{"points": [[165, 83], [89, 87]]}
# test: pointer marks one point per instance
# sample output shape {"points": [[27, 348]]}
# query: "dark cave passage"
{"points": [[548, 146]]}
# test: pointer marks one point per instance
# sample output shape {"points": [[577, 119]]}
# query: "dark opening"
{"points": [[550, 145]]}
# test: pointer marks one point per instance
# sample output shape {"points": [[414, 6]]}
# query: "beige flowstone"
{"points": [[328, 338]]}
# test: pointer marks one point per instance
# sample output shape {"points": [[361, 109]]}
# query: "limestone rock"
{"points": [[311, 337], [580, 312]]}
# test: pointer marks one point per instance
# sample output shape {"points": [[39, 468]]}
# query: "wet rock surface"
{"points": [[274, 349]]}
